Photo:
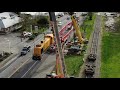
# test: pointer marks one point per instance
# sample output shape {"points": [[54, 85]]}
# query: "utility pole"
{"points": [[59, 53]]}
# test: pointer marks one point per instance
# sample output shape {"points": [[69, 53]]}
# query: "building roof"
{"points": [[40, 13], [8, 19]]}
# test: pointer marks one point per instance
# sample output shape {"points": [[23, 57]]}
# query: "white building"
{"points": [[41, 13], [9, 21]]}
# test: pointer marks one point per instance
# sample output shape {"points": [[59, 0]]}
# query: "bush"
{"points": [[36, 34], [43, 22], [32, 37], [90, 14], [6, 54]]}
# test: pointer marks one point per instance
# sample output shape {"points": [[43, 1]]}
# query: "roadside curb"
{"points": [[6, 60]]}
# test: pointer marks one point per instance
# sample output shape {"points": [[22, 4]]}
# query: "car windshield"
{"points": [[24, 49]]}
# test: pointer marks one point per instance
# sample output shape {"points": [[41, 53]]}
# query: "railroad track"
{"points": [[92, 56]]}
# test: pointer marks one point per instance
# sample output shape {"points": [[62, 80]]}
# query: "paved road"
{"points": [[19, 61], [49, 64], [28, 64], [29, 68]]}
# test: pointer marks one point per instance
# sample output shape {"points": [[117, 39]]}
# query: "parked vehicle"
{"points": [[59, 23], [27, 34]]}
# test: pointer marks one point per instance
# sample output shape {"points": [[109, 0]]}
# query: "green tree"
{"points": [[26, 21], [90, 14], [43, 22]]}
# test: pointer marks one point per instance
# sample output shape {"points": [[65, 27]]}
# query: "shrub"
{"points": [[32, 37]]}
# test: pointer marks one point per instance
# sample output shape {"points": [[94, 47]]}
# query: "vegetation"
{"points": [[40, 21], [90, 15], [36, 33], [4, 56], [43, 22], [74, 63], [110, 53], [87, 26], [28, 20]]}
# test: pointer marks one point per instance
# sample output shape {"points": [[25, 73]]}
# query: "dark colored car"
{"points": [[25, 50]]}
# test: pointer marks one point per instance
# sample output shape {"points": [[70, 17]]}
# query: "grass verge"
{"points": [[110, 61], [74, 63], [88, 26]]}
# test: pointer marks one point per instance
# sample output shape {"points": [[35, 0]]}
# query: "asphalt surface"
{"points": [[12, 67], [29, 68], [16, 63], [49, 64], [26, 73]]}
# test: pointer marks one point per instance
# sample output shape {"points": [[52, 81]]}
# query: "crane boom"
{"points": [[78, 33], [60, 64]]}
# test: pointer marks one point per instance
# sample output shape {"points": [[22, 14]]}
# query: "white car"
{"points": [[59, 23], [28, 34]]}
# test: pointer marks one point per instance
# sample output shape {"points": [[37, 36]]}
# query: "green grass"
{"points": [[74, 63], [88, 25], [110, 61]]}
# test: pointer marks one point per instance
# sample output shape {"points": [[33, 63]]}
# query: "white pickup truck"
{"points": [[27, 34]]}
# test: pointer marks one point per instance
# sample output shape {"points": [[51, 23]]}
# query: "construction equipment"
{"points": [[76, 27], [77, 46], [43, 46], [60, 64], [64, 34]]}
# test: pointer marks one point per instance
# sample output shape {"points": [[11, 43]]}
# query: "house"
{"points": [[42, 13], [9, 21]]}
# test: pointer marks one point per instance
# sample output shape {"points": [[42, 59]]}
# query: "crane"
{"points": [[60, 64], [76, 27]]}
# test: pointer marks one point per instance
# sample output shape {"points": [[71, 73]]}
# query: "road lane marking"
{"points": [[25, 61], [29, 69], [18, 68]]}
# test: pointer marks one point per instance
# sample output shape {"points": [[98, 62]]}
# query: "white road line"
{"points": [[25, 61], [18, 68], [29, 69], [9, 62]]}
